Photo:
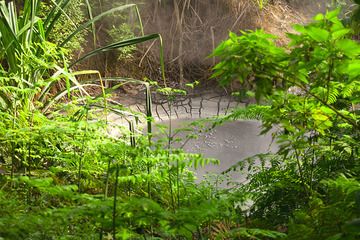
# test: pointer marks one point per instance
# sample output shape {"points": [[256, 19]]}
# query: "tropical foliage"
{"points": [[311, 94], [64, 176]]}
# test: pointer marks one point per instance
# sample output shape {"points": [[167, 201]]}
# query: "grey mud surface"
{"points": [[230, 143]]}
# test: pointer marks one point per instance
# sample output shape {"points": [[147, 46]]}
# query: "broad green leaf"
{"points": [[340, 33], [319, 17], [354, 68], [349, 47], [299, 28], [318, 34], [295, 38], [333, 14]]}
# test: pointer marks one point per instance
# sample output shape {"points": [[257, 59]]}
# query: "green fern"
{"points": [[333, 94], [251, 233], [350, 88], [252, 112]]}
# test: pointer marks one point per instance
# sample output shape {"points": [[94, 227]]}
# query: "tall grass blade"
{"points": [[93, 28], [34, 5], [148, 109], [162, 61], [140, 20], [97, 18], [54, 15], [116, 45], [132, 133], [9, 39]]}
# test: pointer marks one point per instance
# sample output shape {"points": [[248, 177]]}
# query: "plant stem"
{"points": [[105, 197], [114, 206], [107, 180], [169, 150]]}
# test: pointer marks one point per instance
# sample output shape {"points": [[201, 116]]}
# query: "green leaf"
{"points": [[349, 47], [340, 33], [318, 34], [116, 45], [319, 17], [299, 28], [354, 68], [233, 36], [333, 14]]}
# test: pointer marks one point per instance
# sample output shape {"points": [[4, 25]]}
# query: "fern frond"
{"points": [[252, 112], [333, 95], [252, 233], [349, 89]]}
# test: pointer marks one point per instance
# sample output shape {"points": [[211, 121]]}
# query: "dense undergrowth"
{"points": [[63, 176], [311, 91]]}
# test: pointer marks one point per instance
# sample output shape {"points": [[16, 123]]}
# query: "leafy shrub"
{"points": [[332, 215], [312, 91]]}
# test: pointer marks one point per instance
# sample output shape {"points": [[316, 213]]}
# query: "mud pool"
{"points": [[230, 143]]}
